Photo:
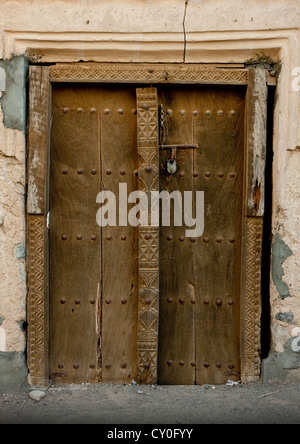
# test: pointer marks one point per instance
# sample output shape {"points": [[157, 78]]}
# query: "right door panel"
{"points": [[200, 278]]}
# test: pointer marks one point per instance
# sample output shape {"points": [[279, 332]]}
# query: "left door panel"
{"points": [[92, 310]]}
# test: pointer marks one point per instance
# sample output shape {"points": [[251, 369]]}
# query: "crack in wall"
{"points": [[184, 29]]}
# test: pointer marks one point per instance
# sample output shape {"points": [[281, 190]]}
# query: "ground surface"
{"points": [[127, 404]]}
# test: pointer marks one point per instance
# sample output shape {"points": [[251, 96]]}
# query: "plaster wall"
{"points": [[198, 31]]}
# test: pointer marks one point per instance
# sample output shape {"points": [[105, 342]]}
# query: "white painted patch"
{"points": [[2, 80], [2, 340]]}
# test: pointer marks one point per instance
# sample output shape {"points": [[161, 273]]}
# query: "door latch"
{"points": [[172, 163]]}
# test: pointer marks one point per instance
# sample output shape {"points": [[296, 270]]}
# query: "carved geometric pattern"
{"points": [[148, 306], [150, 73], [252, 307], [37, 343]]}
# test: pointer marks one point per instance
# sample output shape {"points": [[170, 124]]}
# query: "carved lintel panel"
{"points": [[37, 302], [148, 309], [251, 328], [147, 73]]}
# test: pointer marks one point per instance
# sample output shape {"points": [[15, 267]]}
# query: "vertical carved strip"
{"points": [[148, 307], [37, 305], [37, 207], [251, 327]]}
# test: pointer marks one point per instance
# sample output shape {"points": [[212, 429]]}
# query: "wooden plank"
{"points": [[256, 140], [177, 273], [219, 129], [75, 237], [119, 243], [38, 137]]}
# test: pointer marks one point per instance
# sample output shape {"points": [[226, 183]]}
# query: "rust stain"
{"points": [[257, 196]]}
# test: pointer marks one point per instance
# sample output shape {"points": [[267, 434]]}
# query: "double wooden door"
{"points": [[145, 303]]}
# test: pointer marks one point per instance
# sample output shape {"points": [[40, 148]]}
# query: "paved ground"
{"points": [[161, 405]]}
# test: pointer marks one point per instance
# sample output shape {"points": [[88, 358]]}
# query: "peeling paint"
{"points": [[2, 340], [278, 367], [280, 252], [13, 100], [2, 80], [286, 317], [19, 251]]}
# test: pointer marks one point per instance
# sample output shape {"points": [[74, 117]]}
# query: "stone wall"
{"points": [[235, 31]]}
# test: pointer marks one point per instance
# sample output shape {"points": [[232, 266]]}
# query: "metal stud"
{"points": [[182, 238], [92, 301], [77, 301], [232, 175], [123, 301], [232, 113], [208, 174], [122, 172], [79, 111], [80, 172], [148, 169], [169, 112], [206, 239], [220, 175], [232, 240], [193, 301], [220, 112], [230, 302], [120, 111], [195, 113], [181, 363], [65, 172], [151, 70], [92, 366], [93, 237], [170, 300], [123, 237], [94, 172], [206, 301], [193, 364], [208, 112], [195, 174], [79, 237], [219, 240], [146, 366], [108, 366], [108, 172], [181, 174], [66, 110], [170, 363], [108, 301], [145, 107], [193, 239], [182, 300], [63, 301], [134, 112], [93, 110], [60, 366], [183, 112], [76, 366], [107, 111], [148, 301], [218, 365], [108, 237], [147, 236], [123, 365], [206, 364], [219, 302], [231, 366], [170, 238]]}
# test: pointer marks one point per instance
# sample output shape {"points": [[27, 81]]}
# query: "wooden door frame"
{"points": [[39, 128]]}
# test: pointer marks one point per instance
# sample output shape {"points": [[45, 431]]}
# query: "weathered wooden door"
{"points": [[102, 300], [200, 277], [93, 269]]}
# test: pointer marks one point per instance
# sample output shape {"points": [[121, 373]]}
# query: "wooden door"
{"points": [[93, 270], [200, 277]]}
